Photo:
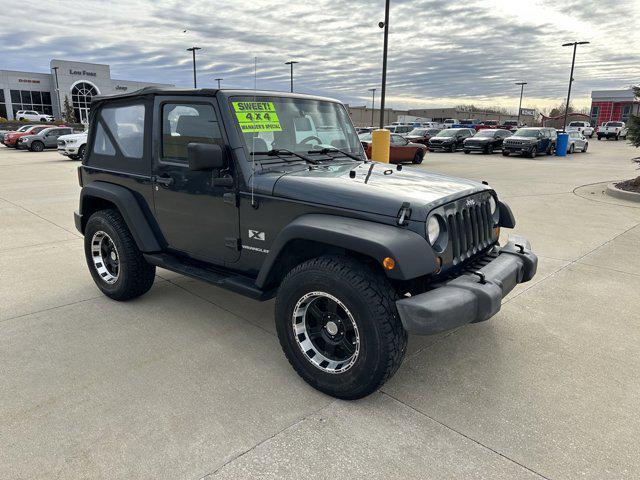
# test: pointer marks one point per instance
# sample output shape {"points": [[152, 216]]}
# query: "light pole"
{"points": [[291, 63], [522, 84], [384, 25], [373, 104], [55, 72], [573, 62], [218, 80], [193, 51]]}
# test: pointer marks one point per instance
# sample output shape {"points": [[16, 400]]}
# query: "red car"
{"points": [[401, 149], [11, 139]]}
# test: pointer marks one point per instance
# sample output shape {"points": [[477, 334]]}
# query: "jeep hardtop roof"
{"points": [[151, 91]]}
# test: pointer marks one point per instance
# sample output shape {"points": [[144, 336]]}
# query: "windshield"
{"points": [[296, 124], [614, 124], [447, 133], [485, 133], [575, 124], [365, 137], [524, 132], [418, 132], [466, 122], [24, 129]]}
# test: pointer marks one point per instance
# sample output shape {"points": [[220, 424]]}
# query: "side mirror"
{"points": [[205, 156]]}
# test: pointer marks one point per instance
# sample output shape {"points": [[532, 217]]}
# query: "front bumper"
{"points": [[23, 146], [467, 298], [440, 146], [66, 151], [476, 147], [519, 149]]}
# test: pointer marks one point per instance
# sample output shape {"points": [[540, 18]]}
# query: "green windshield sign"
{"points": [[257, 116]]}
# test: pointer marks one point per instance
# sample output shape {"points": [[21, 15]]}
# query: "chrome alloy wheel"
{"points": [[326, 332], [105, 257]]}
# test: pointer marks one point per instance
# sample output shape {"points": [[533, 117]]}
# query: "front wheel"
{"points": [[586, 146], [37, 146], [572, 149], [505, 153], [489, 150], [117, 266], [81, 153], [338, 326], [599, 137], [453, 148], [417, 158], [467, 152]]}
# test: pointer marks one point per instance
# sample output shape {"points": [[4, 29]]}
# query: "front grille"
{"points": [[61, 143], [516, 142], [470, 229]]}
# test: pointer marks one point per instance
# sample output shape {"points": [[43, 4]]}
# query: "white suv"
{"points": [[33, 116], [73, 146], [584, 128]]}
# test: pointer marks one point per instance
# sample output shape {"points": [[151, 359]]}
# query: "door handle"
{"points": [[164, 180]]}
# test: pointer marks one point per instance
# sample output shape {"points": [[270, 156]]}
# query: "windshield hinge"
{"points": [[404, 214], [233, 243]]}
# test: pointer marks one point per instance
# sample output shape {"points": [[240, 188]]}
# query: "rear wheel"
{"points": [[338, 326], [418, 157], [599, 137], [572, 148], [116, 265], [37, 146]]}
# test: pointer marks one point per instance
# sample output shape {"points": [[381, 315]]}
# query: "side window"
{"points": [[102, 145], [126, 124], [187, 123]]}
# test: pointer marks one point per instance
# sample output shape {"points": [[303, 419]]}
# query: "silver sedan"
{"points": [[577, 142]]}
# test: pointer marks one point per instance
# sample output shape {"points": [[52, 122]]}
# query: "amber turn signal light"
{"points": [[389, 263], [496, 231], [438, 264]]}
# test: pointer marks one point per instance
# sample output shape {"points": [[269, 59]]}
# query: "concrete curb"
{"points": [[614, 191]]}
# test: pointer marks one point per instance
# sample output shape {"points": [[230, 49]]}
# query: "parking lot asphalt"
{"points": [[189, 380]]}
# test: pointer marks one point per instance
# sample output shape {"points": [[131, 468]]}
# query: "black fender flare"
{"points": [[128, 207], [412, 253], [507, 219]]}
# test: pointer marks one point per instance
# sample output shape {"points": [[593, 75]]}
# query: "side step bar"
{"points": [[231, 281]]}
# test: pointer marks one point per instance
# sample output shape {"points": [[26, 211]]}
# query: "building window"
{"points": [[81, 95], [595, 111], [3, 105], [30, 100], [626, 112]]}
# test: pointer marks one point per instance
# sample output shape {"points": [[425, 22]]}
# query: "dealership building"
{"points": [[613, 106], [46, 92]]}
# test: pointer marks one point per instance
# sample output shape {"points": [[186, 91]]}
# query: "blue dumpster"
{"points": [[562, 144]]}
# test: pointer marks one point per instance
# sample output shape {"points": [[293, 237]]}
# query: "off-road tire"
{"points": [[135, 275], [417, 158], [36, 146], [371, 301]]}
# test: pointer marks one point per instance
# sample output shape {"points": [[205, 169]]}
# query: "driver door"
{"points": [[196, 217]]}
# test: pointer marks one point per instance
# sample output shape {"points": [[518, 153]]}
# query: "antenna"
{"points": [[253, 137]]}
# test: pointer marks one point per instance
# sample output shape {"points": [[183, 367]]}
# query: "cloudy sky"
{"points": [[441, 53]]}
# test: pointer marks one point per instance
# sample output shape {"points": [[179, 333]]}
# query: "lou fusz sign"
{"points": [[527, 112]]}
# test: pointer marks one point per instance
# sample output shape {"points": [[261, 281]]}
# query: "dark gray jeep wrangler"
{"points": [[270, 194]]}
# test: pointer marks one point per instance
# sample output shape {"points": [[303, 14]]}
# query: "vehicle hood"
{"points": [[480, 139], [518, 137], [73, 136], [443, 139], [13, 135], [376, 188]]}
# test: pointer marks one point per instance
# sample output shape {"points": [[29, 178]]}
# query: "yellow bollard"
{"points": [[380, 145]]}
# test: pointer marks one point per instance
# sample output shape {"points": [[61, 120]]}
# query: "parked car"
{"points": [[73, 146], [584, 128], [530, 141], [486, 141], [357, 254], [511, 125], [33, 116], [401, 149], [615, 130], [449, 139], [466, 123], [577, 142], [19, 130], [11, 138], [46, 138], [422, 135], [450, 122], [399, 129], [487, 124]]}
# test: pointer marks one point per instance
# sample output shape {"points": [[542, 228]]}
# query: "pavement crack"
{"points": [[209, 476], [75, 234], [477, 442]]}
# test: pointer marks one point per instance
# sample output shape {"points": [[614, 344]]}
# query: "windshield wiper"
{"points": [[326, 150], [278, 152]]}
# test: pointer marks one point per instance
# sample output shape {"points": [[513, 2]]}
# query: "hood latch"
{"points": [[404, 214]]}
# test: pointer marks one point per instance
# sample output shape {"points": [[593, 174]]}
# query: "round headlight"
{"points": [[492, 205], [433, 229]]}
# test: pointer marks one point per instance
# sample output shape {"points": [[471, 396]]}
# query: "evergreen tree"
{"points": [[633, 135], [69, 113]]}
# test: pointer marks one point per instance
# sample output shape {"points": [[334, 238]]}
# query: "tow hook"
{"points": [[520, 247], [483, 279]]}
